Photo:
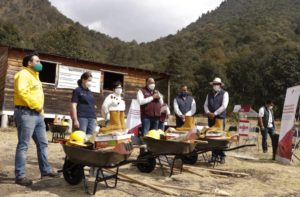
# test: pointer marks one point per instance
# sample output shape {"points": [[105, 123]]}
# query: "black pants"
{"points": [[216, 153]]}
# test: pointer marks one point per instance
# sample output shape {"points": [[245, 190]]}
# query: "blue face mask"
{"points": [[38, 67], [183, 94]]}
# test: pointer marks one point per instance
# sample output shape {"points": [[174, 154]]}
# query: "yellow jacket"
{"points": [[28, 90]]}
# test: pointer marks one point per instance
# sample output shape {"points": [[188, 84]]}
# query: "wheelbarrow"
{"points": [[157, 148], [77, 157], [207, 145], [58, 131]]}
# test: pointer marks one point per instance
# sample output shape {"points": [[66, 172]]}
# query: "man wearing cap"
{"points": [[266, 123], [29, 102], [184, 105], [215, 107]]}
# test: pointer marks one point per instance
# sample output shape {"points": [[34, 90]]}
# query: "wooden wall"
{"points": [[57, 100], [3, 69]]}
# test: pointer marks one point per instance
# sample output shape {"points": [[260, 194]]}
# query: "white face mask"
{"points": [[151, 86], [270, 107], [118, 91], [217, 88], [88, 84]]}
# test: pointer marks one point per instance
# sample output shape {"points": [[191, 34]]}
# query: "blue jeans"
{"points": [[87, 125], [149, 124], [216, 153], [30, 124], [264, 134]]}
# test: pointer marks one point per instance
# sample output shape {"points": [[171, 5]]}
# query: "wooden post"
{"points": [[4, 121], [70, 125], [169, 92]]}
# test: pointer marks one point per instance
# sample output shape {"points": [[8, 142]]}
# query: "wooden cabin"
{"points": [[59, 78]]}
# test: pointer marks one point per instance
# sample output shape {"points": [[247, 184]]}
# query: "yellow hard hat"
{"points": [[77, 138], [155, 134]]}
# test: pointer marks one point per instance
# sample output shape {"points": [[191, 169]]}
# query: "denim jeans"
{"points": [[264, 134], [216, 153], [149, 124], [87, 125], [30, 124]]}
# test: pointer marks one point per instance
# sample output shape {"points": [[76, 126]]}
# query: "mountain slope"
{"points": [[254, 45]]}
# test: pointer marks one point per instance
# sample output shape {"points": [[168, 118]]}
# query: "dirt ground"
{"points": [[266, 177]]}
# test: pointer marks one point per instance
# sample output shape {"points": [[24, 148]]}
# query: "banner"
{"points": [[284, 151], [133, 121], [244, 127], [68, 77]]}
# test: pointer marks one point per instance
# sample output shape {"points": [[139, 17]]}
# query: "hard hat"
{"points": [[77, 138], [153, 134]]}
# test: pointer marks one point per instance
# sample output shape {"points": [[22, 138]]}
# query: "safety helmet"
{"points": [[155, 134], [77, 138]]}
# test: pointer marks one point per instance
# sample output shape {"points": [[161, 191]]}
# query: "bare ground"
{"points": [[267, 178]]}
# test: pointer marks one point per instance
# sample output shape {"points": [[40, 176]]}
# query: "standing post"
{"points": [[4, 121], [169, 92]]}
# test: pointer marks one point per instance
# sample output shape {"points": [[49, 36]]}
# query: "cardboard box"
{"points": [[104, 141]]}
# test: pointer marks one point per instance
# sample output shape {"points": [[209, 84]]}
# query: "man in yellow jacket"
{"points": [[29, 102]]}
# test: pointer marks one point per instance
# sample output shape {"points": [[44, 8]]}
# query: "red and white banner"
{"points": [[284, 151], [134, 117], [244, 127]]}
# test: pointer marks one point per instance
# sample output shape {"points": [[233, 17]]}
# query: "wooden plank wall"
{"points": [[3, 69], [57, 101]]}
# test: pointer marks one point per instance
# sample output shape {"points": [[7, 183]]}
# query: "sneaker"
{"points": [[51, 175], [222, 161], [265, 150], [23, 181], [212, 160]]}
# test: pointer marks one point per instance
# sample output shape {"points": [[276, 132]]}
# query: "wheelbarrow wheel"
{"points": [[73, 173], [192, 159], [148, 166]]}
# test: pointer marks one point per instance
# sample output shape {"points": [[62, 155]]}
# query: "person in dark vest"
{"points": [[150, 101], [215, 107], [266, 123], [184, 105]]}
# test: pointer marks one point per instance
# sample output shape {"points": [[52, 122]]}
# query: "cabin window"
{"points": [[110, 78], [48, 74]]}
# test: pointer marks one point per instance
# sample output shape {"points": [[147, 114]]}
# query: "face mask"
{"points": [[151, 86], [270, 108], [217, 88], [38, 67], [183, 94], [118, 91], [88, 84]]}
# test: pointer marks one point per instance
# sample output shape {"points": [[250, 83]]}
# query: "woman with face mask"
{"points": [[83, 112], [113, 110]]}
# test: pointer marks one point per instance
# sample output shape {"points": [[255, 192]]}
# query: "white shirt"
{"points": [[142, 100], [261, 114], [221, 108], [189, 113], [165, 109], [112, 102]]}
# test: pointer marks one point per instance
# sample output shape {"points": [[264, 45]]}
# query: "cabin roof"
{"points": [[165, 75]]}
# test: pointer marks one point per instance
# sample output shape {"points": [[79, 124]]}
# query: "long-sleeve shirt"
{"points": [[143, 101], [112, 102], [221, 108], [189, 113], [28, 90]]}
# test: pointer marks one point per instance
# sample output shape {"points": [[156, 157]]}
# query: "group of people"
{"points": [[29, 102]]}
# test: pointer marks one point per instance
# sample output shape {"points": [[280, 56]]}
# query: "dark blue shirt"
{"points": [[85, 103]]}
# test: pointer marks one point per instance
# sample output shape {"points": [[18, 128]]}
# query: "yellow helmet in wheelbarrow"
{"points": [[155, 134], [77, 138]]}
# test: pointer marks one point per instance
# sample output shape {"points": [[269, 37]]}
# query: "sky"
{"points": [[139, 20]]}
